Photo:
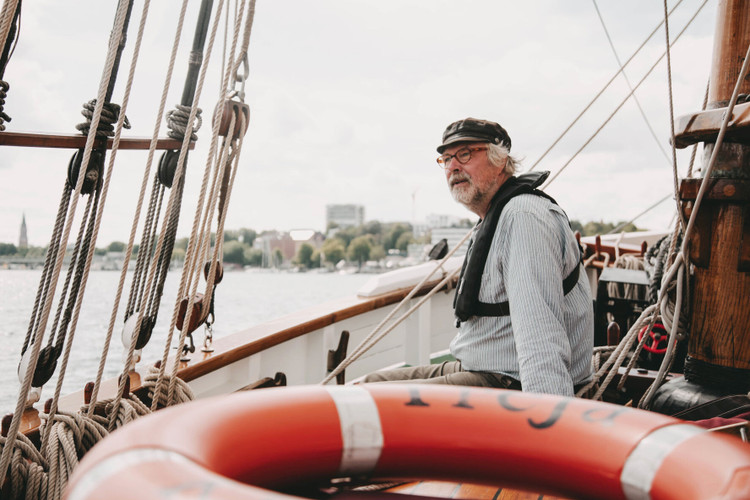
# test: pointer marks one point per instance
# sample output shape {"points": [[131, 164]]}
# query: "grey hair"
{"points": [[496, 155]]}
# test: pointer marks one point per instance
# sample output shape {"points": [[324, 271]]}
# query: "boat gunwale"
{"points": [[245, 343]]}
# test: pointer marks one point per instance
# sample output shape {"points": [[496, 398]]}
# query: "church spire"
{"points": [[23, 240]]}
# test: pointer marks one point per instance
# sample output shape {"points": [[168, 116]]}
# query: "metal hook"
{"points": [[242, 78]]}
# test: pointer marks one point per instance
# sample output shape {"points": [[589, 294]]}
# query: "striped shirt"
{"points": [[547, 341]]}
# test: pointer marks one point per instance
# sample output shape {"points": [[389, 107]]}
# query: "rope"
{"points": [[683, 256], [626, 290], [627, 80], [10, 7], [606, 86], [160, 393], [4, 87], [671, 313], [588, 141], [146, 174], [373, 337], [72, 435], [27, 477], [621, 226], [110, 115], [115, 38], [11, 22], [177, 121], [675, 175], [200, 240], [102, 193], [178, 175], [695, 146], [148, 240], [33, 476], [203, 246]]}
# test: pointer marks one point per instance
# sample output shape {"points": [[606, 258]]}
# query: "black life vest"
{"points": [[466, 302]]}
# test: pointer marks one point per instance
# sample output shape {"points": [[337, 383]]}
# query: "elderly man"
{"points": [[523, 304]]}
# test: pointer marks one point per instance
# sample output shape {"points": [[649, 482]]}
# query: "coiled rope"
{"points": [[108, 118], [177, 121], [4, 87]]}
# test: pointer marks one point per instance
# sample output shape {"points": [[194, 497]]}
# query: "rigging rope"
{"points": [[373, 337], [367, 344], [121, 123], [588, 141], [606, 86], [627, 80], [199, 240], [115, 37], [672, 283], [675, 175], [683, 255], [9, 34], [66, 444], [622, 225], [139, 204], [178, 175]]}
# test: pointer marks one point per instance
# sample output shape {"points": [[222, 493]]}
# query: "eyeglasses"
{"points": [[462, 156]]}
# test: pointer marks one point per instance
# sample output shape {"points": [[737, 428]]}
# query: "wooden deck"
{"points": [[465, 491]]}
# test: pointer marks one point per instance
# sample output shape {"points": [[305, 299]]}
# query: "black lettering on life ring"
{"points": [[202, 490], [503, 400], [607, 419], [557, 412], [416, 399], [464, 401]]}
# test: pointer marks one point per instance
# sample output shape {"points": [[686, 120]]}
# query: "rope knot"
{"points": [[177, 121], [4, 87], [110, 115]]}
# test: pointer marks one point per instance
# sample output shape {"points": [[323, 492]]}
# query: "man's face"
{"points": [[475, 182]]}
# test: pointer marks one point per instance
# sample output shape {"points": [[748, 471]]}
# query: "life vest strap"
{"points": [[503, 308]]}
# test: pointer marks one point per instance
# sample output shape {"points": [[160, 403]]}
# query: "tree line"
{"points": [[370, 241]]}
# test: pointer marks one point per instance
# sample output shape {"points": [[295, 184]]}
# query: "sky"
{"points": [[349, 99]]}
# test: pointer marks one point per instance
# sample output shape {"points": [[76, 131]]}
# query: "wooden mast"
{"points": [[719, 329]]}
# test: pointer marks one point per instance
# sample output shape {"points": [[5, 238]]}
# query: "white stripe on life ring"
{"points": [[360, 429], [645, 460], [116, 464]]}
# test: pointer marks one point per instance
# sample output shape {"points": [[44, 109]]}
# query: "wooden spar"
{"points": [[719, 332], [78, 141]]}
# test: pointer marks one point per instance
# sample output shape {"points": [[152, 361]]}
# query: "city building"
{"points": [[287, 243], [453, 235], [442, 220], [345, 215]]}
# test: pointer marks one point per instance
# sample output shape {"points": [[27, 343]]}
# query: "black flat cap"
{"points": [[472, 129]]}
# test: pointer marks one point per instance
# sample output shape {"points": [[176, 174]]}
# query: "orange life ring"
{"points": [[241, 445]]}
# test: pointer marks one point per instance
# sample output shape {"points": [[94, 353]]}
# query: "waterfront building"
{"points": [[345, 215]]}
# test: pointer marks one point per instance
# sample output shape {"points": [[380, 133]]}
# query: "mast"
{"points": [[719, 328]]}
